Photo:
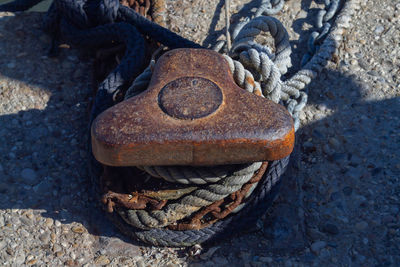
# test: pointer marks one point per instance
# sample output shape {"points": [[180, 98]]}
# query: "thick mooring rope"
{"points": [[257, 205], [191, 203]]}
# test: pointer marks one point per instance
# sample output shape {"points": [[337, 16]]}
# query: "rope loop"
{"points": [[254, 27], [270, 74]]}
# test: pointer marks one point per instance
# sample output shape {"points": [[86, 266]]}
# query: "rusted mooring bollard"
{"points": [[193, 113]]}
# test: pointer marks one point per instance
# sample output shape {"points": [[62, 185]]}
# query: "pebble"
{"points": [[43, 188], [265, 259], [11, 65], [379, 29], [317, 246], [78, 229], [330, 228], [334, 143], [102, 260], [20, 259], [56, 248], [26, 221], [31, 262], [220, 261], [45, 237], [347, 190], [1, 221], [49, 222], [3, 244], [29, 176], [140, 263], [361, 226]]}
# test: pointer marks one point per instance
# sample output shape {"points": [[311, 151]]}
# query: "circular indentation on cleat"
{"points": [[190, 98]]}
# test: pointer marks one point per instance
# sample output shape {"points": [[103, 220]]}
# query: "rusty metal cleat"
{"points": [[192, 113]]}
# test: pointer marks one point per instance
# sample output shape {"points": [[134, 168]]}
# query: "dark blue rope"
{"points": [[92, 23]]}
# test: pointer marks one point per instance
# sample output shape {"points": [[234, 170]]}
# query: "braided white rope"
{"points": [[262, 62], [193, 175], [189, 204], [262, 24]]}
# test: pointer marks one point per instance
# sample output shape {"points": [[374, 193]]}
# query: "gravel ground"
{"points": [[339, 205]]}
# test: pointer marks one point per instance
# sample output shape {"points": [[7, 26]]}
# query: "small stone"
{"points": [[379, 29], [314, 234], [78, 229], [338, 157], [102, 260], [208, 254], [361, 226], [354, 173], [57, 223], [45, 237], [43, 188], [70, 263], [140, 263], [330, 228], [363, 64], [31, 262], [11, 65], [347, 190], [317, 246], [10, 251], [20, 259], [49, 222], [53, 237], [1, 221], [26, 221], [29, 176], [3, 244], [245, 256], [322, 107], [265, 259], [56, 248], [317, 134], [116, 246], [220, 261], [334, 143]]}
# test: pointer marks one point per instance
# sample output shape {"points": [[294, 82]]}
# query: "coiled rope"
{"points": [[255, 68], [256, 59], [191, 203]]}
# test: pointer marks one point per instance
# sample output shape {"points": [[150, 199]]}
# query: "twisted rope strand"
{"points": [[189, 204]]}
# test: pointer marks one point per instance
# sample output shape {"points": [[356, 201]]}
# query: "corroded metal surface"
{"points": [[244, 127], [190, 98]]}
